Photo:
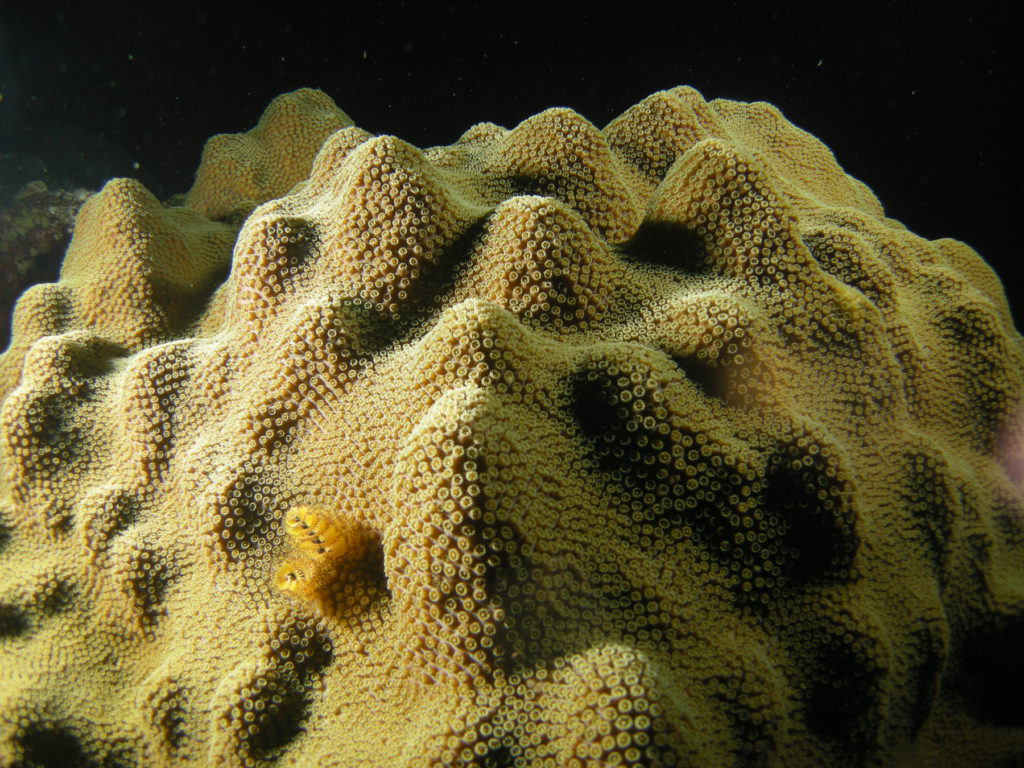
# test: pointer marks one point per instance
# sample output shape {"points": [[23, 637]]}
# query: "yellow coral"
{"points": [[238, 171], [650, 445]]}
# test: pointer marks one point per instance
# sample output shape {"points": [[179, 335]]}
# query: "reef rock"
{"points": [[35, 227], [655, 445]]}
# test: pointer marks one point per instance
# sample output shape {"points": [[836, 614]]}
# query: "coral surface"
{"points": [[652, 445]]}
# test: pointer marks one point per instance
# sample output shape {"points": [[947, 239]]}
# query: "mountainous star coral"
{"points": [[652, 445]]}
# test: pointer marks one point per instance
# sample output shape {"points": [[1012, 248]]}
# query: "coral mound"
{"points": [[655, 445]]}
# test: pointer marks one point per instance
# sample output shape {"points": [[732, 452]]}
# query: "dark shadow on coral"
{"points": [[991, 674], [667, 244]]}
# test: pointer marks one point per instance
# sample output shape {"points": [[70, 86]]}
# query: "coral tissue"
{"points": [[652, 445]]}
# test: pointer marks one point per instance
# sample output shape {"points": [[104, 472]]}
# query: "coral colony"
{"points": [[653, 445]]}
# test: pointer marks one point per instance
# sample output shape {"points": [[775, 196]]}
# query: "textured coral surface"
{"points": [[650, 445]]}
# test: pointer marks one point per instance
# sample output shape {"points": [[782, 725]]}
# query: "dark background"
{"points": [[919, 102]]}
